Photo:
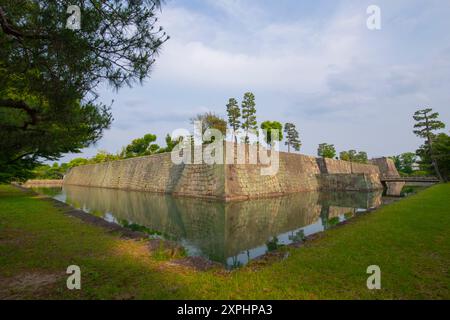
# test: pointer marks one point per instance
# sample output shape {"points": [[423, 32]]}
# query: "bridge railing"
{"points": [[410, 179]]}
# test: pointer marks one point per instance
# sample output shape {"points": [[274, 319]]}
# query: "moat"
{"points": [[229, 233]]}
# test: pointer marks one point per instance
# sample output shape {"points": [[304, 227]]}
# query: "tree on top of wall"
{"points": [[249, 114], [326, 150], [292, 137], [234, 114], [140, 147], [354, 156], [267, 127], [210, 120]]}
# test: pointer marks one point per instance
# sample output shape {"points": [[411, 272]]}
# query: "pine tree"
{"points": [[234, 113], [248, 114], [50, 76], [441, 152], [292, 137], [427, 123]]}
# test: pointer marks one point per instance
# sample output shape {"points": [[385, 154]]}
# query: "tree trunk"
{"points": [[235, 149], [289, 148], [433, 160]]}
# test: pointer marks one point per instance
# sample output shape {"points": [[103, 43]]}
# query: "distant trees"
{"points": [[77, 162], [234, 114], [104, 156], [326, 150], [441, 154], [361, 157], [426, 123], [210, 120], [140, 147], [170, 144], [46, 171], [292, 137], [347, 155], [56, 171], [441, 147], [405, 162], [268, 126], [354, 156], [249, 114]]}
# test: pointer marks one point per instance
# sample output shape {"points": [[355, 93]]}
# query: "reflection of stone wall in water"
{"points": [[252, 223], [350, 182], [334, 212], [157, 173], [335, 204], [362, 200], [219, 229], [187, 218], [203, 225]]}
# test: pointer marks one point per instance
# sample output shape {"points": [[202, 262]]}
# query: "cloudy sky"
{"points": [[313, 63]]}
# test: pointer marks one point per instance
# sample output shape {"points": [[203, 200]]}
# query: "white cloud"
{"points": [[292, 57], [339, 82]]}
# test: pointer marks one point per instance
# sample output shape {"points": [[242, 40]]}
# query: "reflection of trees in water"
{"points": [[48, 191], [218, 229], [235, 263], [324, 216], [199, 221], [272, 244], [298, 236], [251, 223]]}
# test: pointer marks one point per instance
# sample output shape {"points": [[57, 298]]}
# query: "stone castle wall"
{"points": [[296, 173], [332, 166], [386, 166], [350, 182], [157, 173], [154, 173]]}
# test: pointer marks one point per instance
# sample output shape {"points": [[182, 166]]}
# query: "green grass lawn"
{"points": [[409, 240]]}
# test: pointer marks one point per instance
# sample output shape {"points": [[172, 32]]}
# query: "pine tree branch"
{"points": [[8, 28], [21, 105]]}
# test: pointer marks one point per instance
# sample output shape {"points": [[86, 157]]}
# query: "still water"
{"points": [[229, 233]]}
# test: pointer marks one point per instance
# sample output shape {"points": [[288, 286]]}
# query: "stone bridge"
{"points": [[427, 179]]}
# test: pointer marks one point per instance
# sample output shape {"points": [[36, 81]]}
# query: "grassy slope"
{"points": [[409, 240]]}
